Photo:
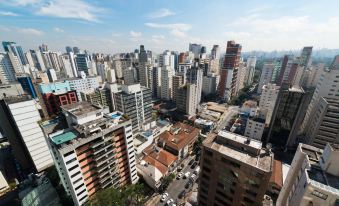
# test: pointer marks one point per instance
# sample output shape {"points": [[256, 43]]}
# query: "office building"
{"points": [[19, 117], [166, 82], [83, 83], [186, 99], [83, 63], [194, 76], [235, 170], [210, 83], [287, 59], [7, 72], [276, 70], [12, 47], [128, 75], [228, 74], [35, 59], [287, 116], [327, 88], [27, 85], [195, 49], [88, 160], [305, 58], [156, 72], [215, 52], [255, 128], [314, 76], [178, 81], [167, 59], [135, 102], [313, 177], [268, 98], [324, 126], [266, 75]]}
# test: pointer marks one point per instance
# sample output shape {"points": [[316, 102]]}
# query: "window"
{"points": [[319, 194], [70, 161]]}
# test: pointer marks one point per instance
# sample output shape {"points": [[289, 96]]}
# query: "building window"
{"points": [[319, 194]]}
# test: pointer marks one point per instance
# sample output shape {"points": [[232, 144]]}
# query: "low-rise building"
{"points": [[179, 140], [249, 107]]}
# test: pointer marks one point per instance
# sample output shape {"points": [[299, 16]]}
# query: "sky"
{"points": [[112, 26]]}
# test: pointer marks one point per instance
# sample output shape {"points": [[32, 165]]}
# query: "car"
{"points": [[187, 174], [193, 165], [170, 202], [188, 184], [191, 162], [164, 196], [193, 178], [180, 175], [197, 157], [181, 194], [196, 171]]}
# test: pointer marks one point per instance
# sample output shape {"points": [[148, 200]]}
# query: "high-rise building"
{"points": [[100, 97], [156, 82], [326, 88], [83, 83], [178, 81], [19, 117], [76, 50], [266, 75], [27, 85], [312, 178], [250, 65], [228, 75], [194, 76], [287, 116], [305, 58], [241, 77], [324, 126], [195, 49], [210, 83], [235, 170], [167, 59], [255, 128], [268, 98], [315, 73], [69, 49], [83, 63], [7, 72], [35, 59], [166, 83], [12, 47], [186, 99], [94, 153], [135, 102], [215, 52], [284, 62], [128, 75]]}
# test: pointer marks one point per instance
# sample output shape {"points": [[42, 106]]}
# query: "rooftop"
{"points": [[179, 136], [160, 155], [277, 173], [80, 108], [64, 137], [241, 148]]}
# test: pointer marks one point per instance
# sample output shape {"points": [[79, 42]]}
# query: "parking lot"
{"points": [[178, 186]]}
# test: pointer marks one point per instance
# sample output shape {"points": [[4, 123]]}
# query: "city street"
{"points": [[226, 117], [177, 186]]}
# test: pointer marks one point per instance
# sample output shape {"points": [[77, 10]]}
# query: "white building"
{"points": [[313, 178], [83, 84], [7, 72], [20, 125], [167, 59], [255, 128], [166, 82], [241, 76], [210, 83], [327, 87], [267, 101], [315, 74], [266, 75], [128, 75], [250, 65], [66, 65]]}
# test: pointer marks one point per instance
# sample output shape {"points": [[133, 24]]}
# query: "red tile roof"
{"points": [[277, 176], [162, 168], [161, 155]]}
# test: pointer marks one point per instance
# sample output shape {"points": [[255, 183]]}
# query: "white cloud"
{"points": [[57, 29], [157, 39], [177, 30], [73, 9], [135, 34], [30, 31], [160, 14], [23, 2], [7, 13], [5, 29]]}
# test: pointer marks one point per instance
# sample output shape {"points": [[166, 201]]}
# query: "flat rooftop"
{"points": [[80, 108], [64, 137], [234, 146]]}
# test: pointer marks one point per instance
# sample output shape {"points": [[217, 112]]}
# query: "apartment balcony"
{"points": [[330, 124], [329, 129], [328, 134], [331, 119]]}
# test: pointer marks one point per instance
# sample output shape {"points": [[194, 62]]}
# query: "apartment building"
{"points": [[235, 170], [324, 127], [268, 98], [266, 75], [255, 128], [95, 152], [313, 178]]}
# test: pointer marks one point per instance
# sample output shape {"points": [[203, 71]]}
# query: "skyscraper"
{"points": [[7, 72], [228, 75], [166, 83], [250, 65], [235, 170], [215, 52], [16, 50], [266, 75]]}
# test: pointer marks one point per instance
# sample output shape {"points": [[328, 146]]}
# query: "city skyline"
{"points": [[123, 25]]}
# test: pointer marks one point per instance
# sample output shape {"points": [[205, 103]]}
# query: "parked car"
{"points": [[188, 184], [187, 174], [194, 165], [197, 157], [180, 175], [196, 171], [181, 194], [191, 162], [169, 202], [164, 197], [193, 177]]}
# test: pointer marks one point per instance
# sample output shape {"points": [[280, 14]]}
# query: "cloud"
{"points": [[160, 13], [5, 29], [30, 31], [177, 30], [135, 34], [72, 9], [57, 29], [157, 39], [7, 13], [23, 2]]}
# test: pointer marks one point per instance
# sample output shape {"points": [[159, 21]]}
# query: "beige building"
{"points": [[166, 83], [255, 128], [235, 170], [313, 178], [267, 101]]}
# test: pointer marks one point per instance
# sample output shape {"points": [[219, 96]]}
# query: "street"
{"points": [[177, 186], [226, 117]]}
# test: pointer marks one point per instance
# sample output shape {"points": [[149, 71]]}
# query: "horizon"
{"points": [[121, 26]]}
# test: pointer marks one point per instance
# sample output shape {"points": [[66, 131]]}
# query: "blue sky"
{"points": [[121, 25]]}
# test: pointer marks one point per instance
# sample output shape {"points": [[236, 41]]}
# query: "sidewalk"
{"points": [[153, 200]]}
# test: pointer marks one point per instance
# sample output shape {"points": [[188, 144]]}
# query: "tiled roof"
{"points": [[160, 155], [277, 177], [180, 135], [162, 168]]}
